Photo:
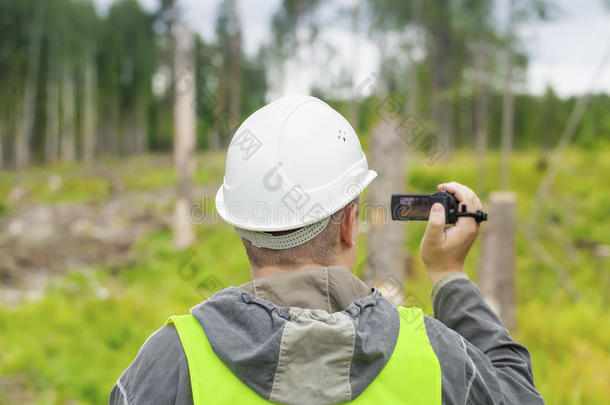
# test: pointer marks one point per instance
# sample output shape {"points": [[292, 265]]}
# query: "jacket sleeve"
{"points": [[158, 375], [498, 369]]}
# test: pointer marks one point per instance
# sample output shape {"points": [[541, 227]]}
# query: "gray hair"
{"points": [[321, 249]]}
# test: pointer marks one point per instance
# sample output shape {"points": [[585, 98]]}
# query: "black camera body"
{"points": [[416, 207]]}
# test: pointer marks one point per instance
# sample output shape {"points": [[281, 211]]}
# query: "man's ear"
{"points": [[349, 224]]}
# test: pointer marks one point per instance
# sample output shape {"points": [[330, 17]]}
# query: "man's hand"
{"points": [[443, 249]]}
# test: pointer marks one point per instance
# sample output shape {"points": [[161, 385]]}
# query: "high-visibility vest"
{"points": [[412, 375]]}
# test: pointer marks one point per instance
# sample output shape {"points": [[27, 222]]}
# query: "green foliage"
{"points": [[125, 49], [539, 120], [130, 45]]}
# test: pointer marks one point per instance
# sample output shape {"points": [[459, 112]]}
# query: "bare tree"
{"points": [[497, 261], [227, 109], [1, 144], [354, 102], [412, 86], [387, 255], [26, 127], [441, 52], [68, 136], [141, 130], [109, 127], [480, 100], [217, 134], [184, 133], [51, 148], [235, 65], [508, 103], [89, 119]]}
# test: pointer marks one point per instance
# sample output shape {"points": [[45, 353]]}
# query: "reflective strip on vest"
{"points": [[412, 375]]}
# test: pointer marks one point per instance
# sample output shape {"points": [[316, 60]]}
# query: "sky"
{"points": [[564, 53]]}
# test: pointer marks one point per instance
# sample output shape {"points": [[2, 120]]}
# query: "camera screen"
{"points": [[413, 207]]}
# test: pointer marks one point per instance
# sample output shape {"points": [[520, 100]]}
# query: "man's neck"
{"points": [[331, 288]]}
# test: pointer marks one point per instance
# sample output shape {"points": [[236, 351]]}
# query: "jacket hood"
{"points": [[314, 345]]}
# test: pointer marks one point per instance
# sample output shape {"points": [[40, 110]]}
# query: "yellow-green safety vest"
{"points": [[412, 375]]}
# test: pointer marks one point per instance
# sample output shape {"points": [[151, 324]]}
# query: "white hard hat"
{"points": [[292, 163]]}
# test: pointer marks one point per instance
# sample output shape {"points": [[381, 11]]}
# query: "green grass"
{"points": [[79, 183], [76, 341], [71, 345]]}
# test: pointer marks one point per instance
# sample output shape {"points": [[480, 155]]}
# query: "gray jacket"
{"points": [[480, 363]]}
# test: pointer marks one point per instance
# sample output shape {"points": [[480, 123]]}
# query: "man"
{"points": [[305, 330]]}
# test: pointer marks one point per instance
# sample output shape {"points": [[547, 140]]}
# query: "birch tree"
{"points": [[519, 12], [227, 109], [355, 98], [1, 144], [385, 240], [89, 120], [51, 152], [68, 117], [26, 128], [184, 133], [508, 103]]}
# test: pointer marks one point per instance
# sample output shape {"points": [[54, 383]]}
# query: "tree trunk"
{"points": [[89, 120], [13, 119], [52, 128], [295, 28], [112, 127], [355, 100], [141, 128], [1, 144], [412, 88], [480, 117], [235, 73], [136, 127], [508, 112], [442, 105], [25, 132], [67, 115], [497, 261], [218, 134], [386, 238], [184, 138], [131, 132], [508, 107], [441, 55]]}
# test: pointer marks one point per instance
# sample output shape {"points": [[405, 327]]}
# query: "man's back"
{"points": [[322, 336]]}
